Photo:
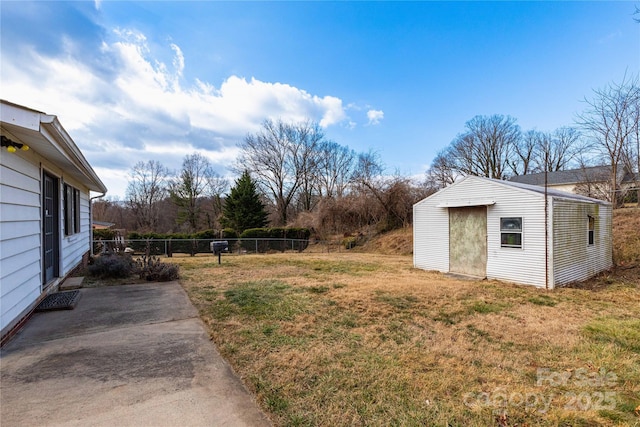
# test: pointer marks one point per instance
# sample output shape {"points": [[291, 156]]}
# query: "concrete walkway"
{"points": [[133, 355]]}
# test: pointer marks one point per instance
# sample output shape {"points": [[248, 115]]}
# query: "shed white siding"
{"points": [[574, 259], [565, 246], [431, 235], [524, 265], [20, 245]]}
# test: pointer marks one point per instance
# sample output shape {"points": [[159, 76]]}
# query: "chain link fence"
{"points": [[168, 247]]}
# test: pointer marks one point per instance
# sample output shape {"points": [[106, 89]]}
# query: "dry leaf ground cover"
{"points": [[363, 339]]}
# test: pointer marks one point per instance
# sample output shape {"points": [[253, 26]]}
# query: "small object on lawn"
{"points": [[219, 246], [66, 300]]}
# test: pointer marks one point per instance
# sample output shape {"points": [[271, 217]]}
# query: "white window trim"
{"points": [[521, 232]]}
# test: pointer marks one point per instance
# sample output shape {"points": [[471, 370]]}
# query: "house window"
{"points": [[592, 223], [71, 210], [511, 232]]}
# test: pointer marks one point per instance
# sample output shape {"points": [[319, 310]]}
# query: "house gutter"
{"points": [[91, 219]]}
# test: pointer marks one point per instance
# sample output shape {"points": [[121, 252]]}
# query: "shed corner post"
{"points": [[551, 283]]}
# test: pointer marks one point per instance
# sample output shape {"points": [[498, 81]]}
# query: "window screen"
{"points": [[71, 210], [511, 232]]}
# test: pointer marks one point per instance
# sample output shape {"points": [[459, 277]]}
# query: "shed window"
{"points": [[71, 210], [592, 223], [511, 232]]}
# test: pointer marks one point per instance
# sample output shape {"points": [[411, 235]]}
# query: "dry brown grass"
{"points": [[626, 237], [365, 339], [396, 242]]}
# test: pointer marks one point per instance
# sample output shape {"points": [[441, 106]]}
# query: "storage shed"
{"points": [[509, 231], [45, 219]]}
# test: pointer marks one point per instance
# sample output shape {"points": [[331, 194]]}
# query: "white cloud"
{"points": [[136, 107], [375, 116]]}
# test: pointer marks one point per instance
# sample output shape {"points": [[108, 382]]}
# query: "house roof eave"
{"points": [[45, 135]]}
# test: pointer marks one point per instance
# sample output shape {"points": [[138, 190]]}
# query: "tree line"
{"points": [[606, 133], [291, 174]]}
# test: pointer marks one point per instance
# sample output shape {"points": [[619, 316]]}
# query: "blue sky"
{"points": [[149, 80]]}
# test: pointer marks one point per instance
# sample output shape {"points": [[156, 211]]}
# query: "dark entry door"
{"points": [[468, 240], [50, 208]]}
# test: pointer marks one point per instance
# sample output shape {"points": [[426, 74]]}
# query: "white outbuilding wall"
{"points": [[571, 257]]}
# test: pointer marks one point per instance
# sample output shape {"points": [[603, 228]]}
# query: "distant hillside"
{"points": [[626, 237], [396, 242]]}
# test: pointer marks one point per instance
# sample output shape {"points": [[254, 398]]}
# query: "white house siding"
{"points": [[567, 188], [20, 245], [76, 245], [574, 259], [21, 232]]}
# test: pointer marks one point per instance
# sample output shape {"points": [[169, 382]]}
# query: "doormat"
{"points": [[59, 301]]}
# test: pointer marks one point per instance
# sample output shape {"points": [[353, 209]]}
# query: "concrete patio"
{"points": [[132, 355]]}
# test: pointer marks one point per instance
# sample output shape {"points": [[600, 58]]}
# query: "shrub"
{"points": [[104, 234], [272, 239], [152, 269], [229, 233], [349, 242], [177, 242], [207, 234], [112, 266]]}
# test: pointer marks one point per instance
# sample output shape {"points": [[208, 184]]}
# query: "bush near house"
{"points": [[111, 266], [123, 266], [150, 268], [104, 234]]}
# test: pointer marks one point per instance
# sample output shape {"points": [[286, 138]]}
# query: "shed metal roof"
{"points": [[573, 176], [550, 192]]}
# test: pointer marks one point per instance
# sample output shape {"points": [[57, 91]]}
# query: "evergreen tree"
{"points": [[243, 208]]}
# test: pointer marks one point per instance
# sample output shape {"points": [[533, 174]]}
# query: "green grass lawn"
{"points": [[362, 339]]}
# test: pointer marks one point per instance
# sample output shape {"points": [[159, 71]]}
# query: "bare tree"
{"points": [[559, 149], [637, 135], [188, 186], [308, 138], [486, 146], [525, 151], [611, 120], [389, 192], [279, 155], [215, 189], [147, 187], [442, 170], [334, 169]]}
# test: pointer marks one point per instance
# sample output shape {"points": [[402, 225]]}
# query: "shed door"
{"points": [[50, 208], [468, 240]]}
